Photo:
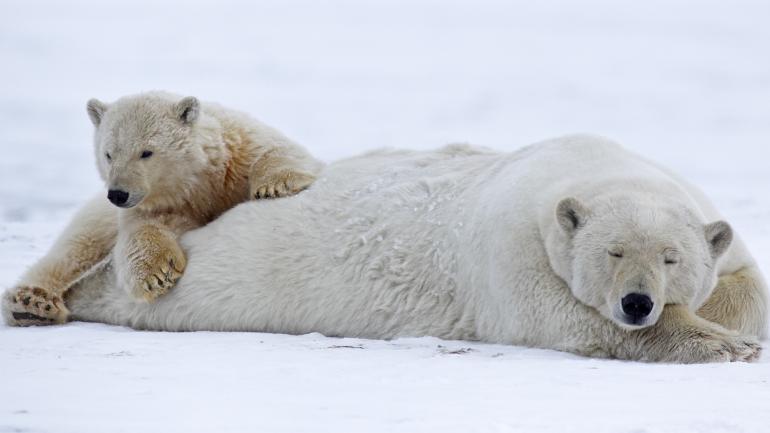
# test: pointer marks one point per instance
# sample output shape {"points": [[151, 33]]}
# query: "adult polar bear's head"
{"points": [[628, 259]]}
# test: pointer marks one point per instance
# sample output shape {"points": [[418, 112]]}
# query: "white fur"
{"points": [[450, 243]]}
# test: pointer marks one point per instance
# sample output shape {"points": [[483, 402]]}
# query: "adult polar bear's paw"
{"points": [[33, 306], [714, 346], [682, 337]]}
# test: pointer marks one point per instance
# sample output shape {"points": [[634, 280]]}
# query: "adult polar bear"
{"points": [[573, 244]]}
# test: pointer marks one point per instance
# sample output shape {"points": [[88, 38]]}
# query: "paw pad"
{"points": [[35, 306]]}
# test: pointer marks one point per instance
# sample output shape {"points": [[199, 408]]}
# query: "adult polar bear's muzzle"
{"points": [[637, 304], [636, 310], [636, 307]]}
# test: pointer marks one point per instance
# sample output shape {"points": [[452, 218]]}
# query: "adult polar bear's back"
{"points": [[375, 240], [447, 243]]}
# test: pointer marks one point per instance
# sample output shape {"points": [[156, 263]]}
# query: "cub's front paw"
{"points": [[33, 306], [280, 183], [157, 270]]}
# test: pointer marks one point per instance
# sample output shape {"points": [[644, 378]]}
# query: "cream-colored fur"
{"points": [[464, 243], [536, 248], [739, 302], [181, 163]]}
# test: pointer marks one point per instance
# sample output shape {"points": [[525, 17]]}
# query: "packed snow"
{"points": [[683, 82]]}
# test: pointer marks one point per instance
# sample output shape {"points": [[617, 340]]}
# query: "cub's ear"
{"points": [[96, 109], [719, 236], [571, 215], [187, 109]]}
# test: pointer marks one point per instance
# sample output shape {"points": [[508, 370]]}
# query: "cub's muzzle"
{"points": [[118, 198]]}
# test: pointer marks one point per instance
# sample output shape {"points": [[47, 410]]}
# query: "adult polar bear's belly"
{"points": [[448, 243]]}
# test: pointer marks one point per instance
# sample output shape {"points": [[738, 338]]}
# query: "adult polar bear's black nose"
{"points": [[636, 306], [117, 197]]}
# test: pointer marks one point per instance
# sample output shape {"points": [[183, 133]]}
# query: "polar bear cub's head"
{"points": [[628, 259], [145, 146]]}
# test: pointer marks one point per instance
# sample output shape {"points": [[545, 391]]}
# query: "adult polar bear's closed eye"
{"points": [[539, 247]]}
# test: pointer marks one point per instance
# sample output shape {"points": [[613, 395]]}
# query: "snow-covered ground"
{"points": [[684, 82]]}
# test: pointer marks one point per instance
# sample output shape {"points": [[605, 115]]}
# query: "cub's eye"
{"points": [[146, 154], [107, 155], [617, 254], [671, 261]]}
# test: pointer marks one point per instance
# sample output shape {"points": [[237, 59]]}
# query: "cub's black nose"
{"points": [[636, 306], [117, 197]]}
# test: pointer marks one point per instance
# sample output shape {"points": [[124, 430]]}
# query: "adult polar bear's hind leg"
{"points": [[739, 302], [461, 245]]}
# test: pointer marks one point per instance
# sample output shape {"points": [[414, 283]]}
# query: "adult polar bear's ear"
{"points": [[719, 236], [96, 109], [571, 215], [188, 109]]}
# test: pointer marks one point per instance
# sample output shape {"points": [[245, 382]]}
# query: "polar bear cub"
{"points": [[170, 164]]}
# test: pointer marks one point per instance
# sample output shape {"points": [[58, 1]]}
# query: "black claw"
{"points": [[30, 316]]}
